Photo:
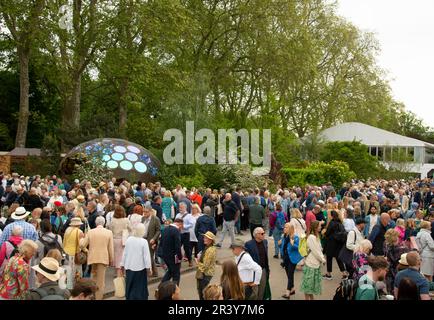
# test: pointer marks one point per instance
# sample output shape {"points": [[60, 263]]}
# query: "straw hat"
{"points": [[49, 268], [403, 259], [75, 222], [20, 213], [209, 235]]}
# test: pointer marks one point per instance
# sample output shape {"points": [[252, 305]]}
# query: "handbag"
{"points": [[125, 235], [346, 255], [81, 256], [119, 284], [199, 274]]}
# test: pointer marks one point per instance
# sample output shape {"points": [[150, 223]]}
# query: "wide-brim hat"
{"points": [[75, 222], [49, 268], [403, 259], [20, 213], [238, 243], [209, 235]]}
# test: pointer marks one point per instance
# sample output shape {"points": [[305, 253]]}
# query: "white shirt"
{"points": [[192, 233], [53, 199], [189, 221], [136, 255], [349, 224], [248, 269], [351, 244], [109, 218]]}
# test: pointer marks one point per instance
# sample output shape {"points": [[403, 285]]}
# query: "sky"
{"points": [[405, 31]]}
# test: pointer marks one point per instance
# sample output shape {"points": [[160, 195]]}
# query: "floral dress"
{"points": [[360, 265], [15, 282]]}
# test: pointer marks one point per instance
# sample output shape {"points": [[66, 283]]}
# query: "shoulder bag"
{"points": [[80, 256]]}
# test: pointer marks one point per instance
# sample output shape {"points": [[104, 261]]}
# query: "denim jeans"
{"points": [[228, 226], [277, 235]]}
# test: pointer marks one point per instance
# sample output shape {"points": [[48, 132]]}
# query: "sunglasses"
{"points": [[262, 233]]}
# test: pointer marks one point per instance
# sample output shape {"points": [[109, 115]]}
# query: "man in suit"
{"points": [[93, 214], [152, 233], [100, 255], [258, 250], [170, 250]]}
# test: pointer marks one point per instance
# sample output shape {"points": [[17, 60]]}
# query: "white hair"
{"points": [[100, 221], [139, 230], [257, 230], [17, 230]]}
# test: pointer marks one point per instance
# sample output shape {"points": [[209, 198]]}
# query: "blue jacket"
{"points": [[252, 249], [292, 250], [203, 224]]}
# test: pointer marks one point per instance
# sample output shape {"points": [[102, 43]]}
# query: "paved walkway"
{"points": [[278, 279]]}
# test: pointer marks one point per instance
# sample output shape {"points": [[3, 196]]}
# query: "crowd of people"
{"points": [[57, 238]]}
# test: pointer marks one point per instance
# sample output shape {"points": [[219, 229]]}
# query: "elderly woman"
{"points": [[8, 247], [426, 248], [196, 212], [392, 251], [15, 281], [206, 263], [136, 261], [360, 259], [71, 247], [121, 228]]}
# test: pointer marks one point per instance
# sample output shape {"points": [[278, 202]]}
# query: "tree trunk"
{"points": [[123, 108], [23, 118], [71, 113]]}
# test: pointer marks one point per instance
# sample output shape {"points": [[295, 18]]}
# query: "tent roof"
{"points": [[25, 152], [370, 136]]}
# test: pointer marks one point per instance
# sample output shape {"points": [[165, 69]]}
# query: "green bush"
{"points": [[317, 173]]}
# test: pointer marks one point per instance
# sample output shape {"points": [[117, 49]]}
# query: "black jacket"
{"points": [[170, 244], [334, 234]]}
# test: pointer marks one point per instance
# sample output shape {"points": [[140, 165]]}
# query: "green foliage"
{"points": [[318, 173], [354, 153], [93, 171]]}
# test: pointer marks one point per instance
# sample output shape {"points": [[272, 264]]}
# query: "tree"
{"points": [[355, 154], [22, 19]]}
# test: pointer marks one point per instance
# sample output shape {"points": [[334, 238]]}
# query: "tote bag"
{"points": [[119, 284]]}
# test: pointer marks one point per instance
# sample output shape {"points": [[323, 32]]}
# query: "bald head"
{"points": [[228, 197], [413, 259], [385, 219]]}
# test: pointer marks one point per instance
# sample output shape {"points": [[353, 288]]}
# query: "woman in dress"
{"points": [[311, 282], [136, 261], [121, 228]]}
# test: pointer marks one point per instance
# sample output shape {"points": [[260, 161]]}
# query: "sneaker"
{"points": [[327, 277]]}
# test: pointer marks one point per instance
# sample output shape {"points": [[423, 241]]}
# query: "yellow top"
{"points": [[70, 240]]}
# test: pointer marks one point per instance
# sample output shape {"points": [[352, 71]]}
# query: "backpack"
{"points": [[341, 235], [51, 294], [346, 291], [302, 247], [7, 257], [280, 221], [49, 245]]}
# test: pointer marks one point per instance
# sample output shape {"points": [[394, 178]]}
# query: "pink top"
{"points": [[401, 231], [309, 218]]}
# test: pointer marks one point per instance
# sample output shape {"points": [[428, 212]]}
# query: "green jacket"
{"points": [[256, 214]]}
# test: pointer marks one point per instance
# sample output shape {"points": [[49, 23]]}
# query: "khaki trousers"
{"points": [[98, 274]]}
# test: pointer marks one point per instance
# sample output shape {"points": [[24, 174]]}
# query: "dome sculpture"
{"points": [[127, 160]]}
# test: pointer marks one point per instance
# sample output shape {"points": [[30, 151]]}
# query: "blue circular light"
{"points": [[131, 156], [126, 165], [133, 149], [140, 167], [120, 149], [106, 158], [112, 164], [117, 156]]}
